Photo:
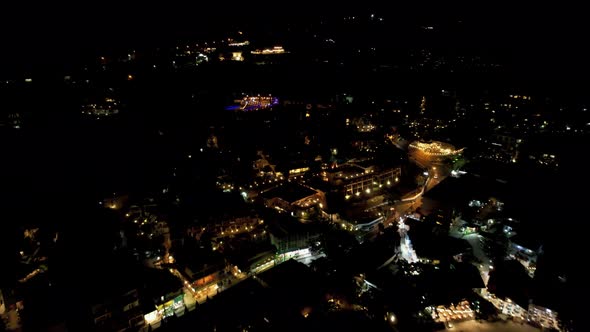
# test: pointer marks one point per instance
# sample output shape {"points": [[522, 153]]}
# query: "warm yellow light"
{"points": [[151, 317]]}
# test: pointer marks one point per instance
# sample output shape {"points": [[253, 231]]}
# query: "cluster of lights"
{"points": [[239, 44], [267, 51], [520, 97], [258, 102], [461, 311], [359, 174], [368, 190], [227, 187], [298, 170], [366, 128], [546, 317], [256, 184], [309, 202], [236, 230], [107, 109], [435, 148]]}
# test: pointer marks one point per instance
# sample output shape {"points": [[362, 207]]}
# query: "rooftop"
{"points": [[289, 191], [287, 225]]}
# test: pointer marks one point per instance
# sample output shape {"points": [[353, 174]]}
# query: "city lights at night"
{"points": [[293, 167]]}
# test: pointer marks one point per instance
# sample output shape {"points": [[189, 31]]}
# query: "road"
{"points": [[475, 240], [407, 252]]}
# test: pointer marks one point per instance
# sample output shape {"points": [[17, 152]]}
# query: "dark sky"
{"points": [[59, 31]]}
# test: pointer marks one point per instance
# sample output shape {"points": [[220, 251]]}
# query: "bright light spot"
{"points": [[392, 318]]}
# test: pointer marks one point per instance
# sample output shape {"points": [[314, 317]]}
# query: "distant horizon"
{"points": [[543, 38]]}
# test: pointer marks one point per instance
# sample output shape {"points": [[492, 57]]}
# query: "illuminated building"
{"points": [[106, 108], [237, 56], [362, 124], [238, 44], [356, 180], [234, 226], [268, 51], [501, 147], [294, 172], [172, 307], [424, 153], [258, 102], [544, 316], [295, 199], [253, 103]]}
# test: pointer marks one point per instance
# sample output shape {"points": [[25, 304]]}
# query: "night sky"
{"points": [[540, 37]]}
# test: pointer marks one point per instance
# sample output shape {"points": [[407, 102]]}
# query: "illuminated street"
{"points": [[476, 242], [502, 326], [407, 252]]}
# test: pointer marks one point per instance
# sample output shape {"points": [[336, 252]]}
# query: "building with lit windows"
{"points": [[354, 179], [105, 108], [254, 103], [269, 51], [545, 317]]}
